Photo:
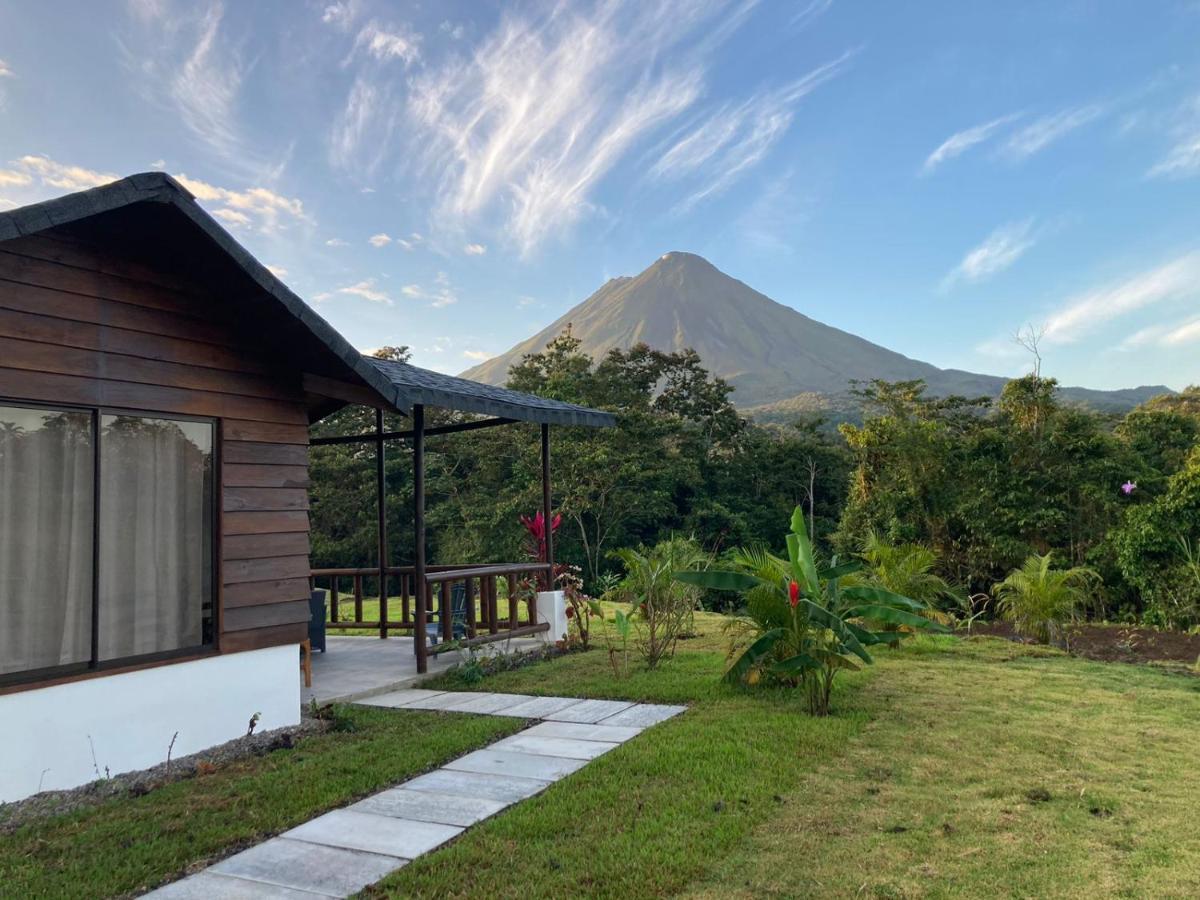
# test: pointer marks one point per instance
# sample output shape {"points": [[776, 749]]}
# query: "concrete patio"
{"points": [[353, 668]]}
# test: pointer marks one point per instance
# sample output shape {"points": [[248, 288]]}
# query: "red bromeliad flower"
{"points": [[536, 525], [793, 594]]}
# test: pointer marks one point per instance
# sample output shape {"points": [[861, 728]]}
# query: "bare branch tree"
{"points": [[1030, 338]]}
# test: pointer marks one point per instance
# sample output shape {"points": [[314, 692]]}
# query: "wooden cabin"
{"points": [[156, 390]]}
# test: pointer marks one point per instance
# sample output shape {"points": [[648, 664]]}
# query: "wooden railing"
{"points": [[484, 621]]}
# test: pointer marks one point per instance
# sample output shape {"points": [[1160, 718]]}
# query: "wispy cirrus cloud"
{"points": [[475, 249], [962, 141], [733, 139], [477, 355], [526, 125], [340, 14], [389, 42], [1176, 280], [810, 12], [205, 88], [1183, 159], [998, 251], [364, 126], [1176, 334], [1041, 133], [379, 240], [1181, 162]]}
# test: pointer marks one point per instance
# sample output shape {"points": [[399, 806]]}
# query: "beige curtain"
{"points": [[155, 534], [46, 492]]}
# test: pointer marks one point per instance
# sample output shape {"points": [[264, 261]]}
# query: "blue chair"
{"points": [[458, 616]]}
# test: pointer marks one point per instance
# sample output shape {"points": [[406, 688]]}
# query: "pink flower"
{"points": [[793, 594], [1128, 487]]}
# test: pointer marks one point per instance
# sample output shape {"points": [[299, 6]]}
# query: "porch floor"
{"points": [[357, 667]]}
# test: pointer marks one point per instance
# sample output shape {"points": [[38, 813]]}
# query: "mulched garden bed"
{"points": [[135, 784], [1116, 643]]}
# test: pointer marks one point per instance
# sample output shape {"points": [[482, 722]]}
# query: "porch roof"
{"points": [[415, 385]]}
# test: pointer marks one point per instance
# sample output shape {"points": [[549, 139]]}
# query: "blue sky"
{"points": [[453, 175]]}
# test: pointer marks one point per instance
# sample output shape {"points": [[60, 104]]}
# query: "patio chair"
{"points": [[458, 616]]}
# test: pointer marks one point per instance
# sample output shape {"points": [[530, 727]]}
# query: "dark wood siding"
{"points": [[90, 326]]}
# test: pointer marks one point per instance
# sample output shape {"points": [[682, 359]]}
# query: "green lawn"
{"points": [[396, 611], [128, 844], [952, 768]]}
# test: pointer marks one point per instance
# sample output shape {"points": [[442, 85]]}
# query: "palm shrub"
{"points": [[1040, 600], [908, 569], [663, 608], [807, 624]]}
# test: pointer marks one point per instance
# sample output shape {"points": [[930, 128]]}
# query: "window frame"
{"points": [[95, 665]]}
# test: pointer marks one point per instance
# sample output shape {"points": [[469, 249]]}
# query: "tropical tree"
{"points": [[806, 624], [1040, 599]]}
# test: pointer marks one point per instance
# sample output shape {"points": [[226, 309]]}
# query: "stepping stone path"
{"points": [[341, 852]]}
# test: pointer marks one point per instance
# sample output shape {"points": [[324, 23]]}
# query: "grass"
{"points": [[129, 844], [951, 768], [370, 607]]}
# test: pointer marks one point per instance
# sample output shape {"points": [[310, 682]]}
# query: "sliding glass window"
{"points": [[106, 538]]}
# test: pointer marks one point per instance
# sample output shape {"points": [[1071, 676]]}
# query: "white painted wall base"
{"points": [[552, 608], [131, 717]]}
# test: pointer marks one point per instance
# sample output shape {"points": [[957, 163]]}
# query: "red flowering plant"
{"points": [[566, 577], [804, 624]]}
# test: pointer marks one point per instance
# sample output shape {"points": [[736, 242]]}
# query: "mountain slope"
{"points": [[770, 352]]}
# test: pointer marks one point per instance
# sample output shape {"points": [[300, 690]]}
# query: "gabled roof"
{"points": [[397, 384]]}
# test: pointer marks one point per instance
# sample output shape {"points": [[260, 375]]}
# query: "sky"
{"points": [[932, 176]]}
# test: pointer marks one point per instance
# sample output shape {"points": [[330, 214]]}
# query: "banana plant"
{"points": [[808, 626]]}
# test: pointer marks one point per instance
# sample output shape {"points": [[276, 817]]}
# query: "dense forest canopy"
{"points": [[982, 483]]}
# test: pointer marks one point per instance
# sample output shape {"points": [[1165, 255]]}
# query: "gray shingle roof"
{"points": [[435, 389], [398, 384]]}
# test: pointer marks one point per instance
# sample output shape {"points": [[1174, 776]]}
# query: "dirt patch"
{"points": [[1116, 643], [135, 784]]}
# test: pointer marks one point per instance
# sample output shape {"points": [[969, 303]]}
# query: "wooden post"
{"points": [[418, 420], [381, 504], [546, 512]]}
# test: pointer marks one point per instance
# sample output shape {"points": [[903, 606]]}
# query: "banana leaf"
{"points": [[824, 617], [893, 617], [868, 638], [840, 571], [879, 596], [793, 664], [752, 654], [716, 580], [837, 660]]}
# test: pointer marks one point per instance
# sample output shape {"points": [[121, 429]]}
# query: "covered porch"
{"points": [[438, 608]]}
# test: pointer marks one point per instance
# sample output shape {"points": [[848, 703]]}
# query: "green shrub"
{"points": [[803, 624], [662, 608], [1040, 600]]}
